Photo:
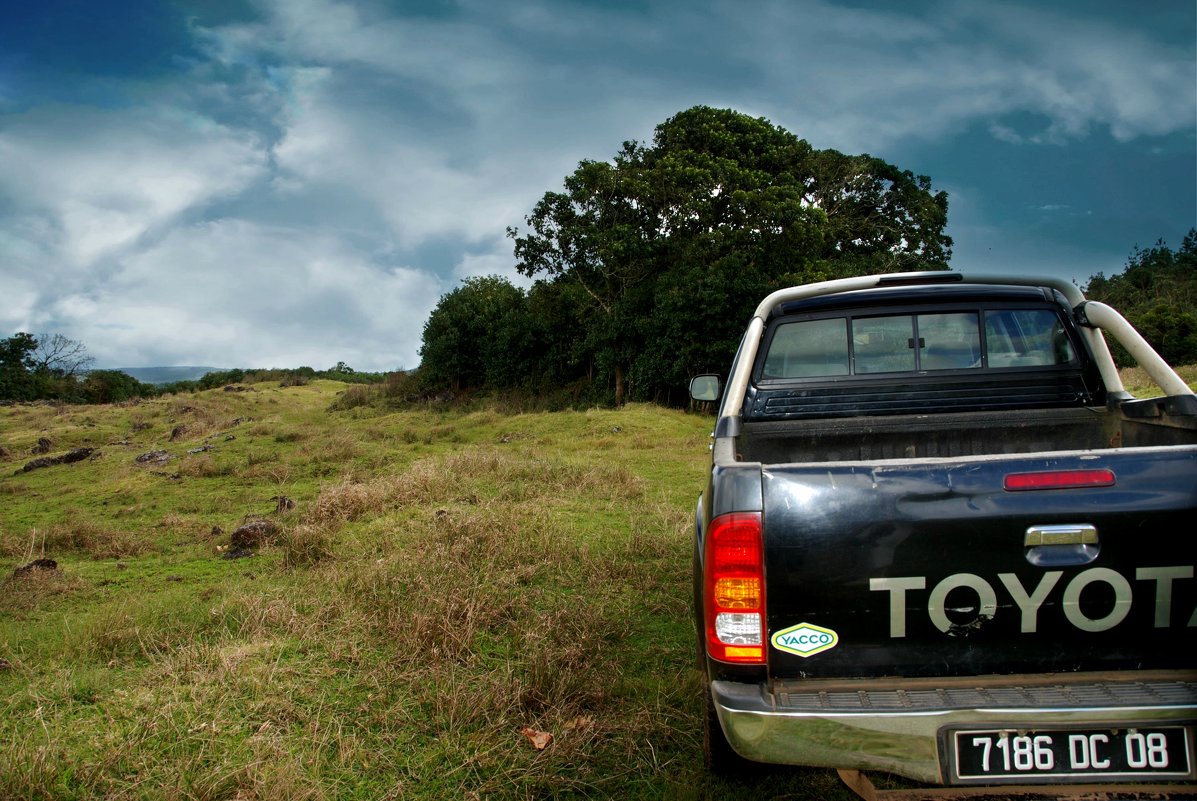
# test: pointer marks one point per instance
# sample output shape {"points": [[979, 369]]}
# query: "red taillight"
{"points": [[1058, 479], [734, 578]]}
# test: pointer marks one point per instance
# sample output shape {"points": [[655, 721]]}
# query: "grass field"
{"points": [[446, 587], [449, 588]]}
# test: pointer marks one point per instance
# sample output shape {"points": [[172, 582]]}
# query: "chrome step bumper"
{"points": [[895, 725]]}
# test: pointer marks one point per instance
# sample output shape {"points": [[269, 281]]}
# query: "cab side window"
{"points": [[808, 349], [1026, 338]]}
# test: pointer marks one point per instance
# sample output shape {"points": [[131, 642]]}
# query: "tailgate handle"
{"points": [[1061, 544]]}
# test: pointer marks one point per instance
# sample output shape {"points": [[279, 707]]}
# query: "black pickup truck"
{"points": [[940, 540]]}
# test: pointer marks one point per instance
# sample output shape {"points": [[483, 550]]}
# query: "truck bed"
{"points": [[1005, 432]]}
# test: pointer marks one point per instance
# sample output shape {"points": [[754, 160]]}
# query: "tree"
{"points": [[598, 236], [61, 356], [113, 386], [879, 218], [1156, 292], [671, 244], [464, 343], [16, 367]]}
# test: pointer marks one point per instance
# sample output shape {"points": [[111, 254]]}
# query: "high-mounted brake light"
{"points": [[899, 279], [1058, 479], [734, 581]]}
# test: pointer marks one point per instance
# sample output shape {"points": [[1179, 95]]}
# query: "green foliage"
{"points": [[473, 336], [648, 264], [52, 367], [113, 386], [287, 377], [1157, 293], [220, 378], [45, 367], [16, 366]]}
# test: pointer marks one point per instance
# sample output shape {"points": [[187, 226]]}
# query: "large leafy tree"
{"points": [[669, 245], [16, 367], [113, 386], [468, 335], [597, 237], [879, 218], [1157, 292]]}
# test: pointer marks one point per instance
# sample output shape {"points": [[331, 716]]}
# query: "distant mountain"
{"points": [[166, 375]]}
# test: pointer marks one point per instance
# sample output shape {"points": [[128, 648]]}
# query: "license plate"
{"points": [[997, 755]]}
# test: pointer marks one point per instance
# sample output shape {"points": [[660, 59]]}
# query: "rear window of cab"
{"points": [[916, 342]]}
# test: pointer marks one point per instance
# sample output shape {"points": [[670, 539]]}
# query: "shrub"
{"points": [[353, 397], [307, 544]]}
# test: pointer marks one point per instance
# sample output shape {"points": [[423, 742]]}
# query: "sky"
{"points": [[277, 183]]}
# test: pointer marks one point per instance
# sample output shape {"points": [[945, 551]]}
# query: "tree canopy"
{"points": [[465, 336], [55, 367], [16, 365], [647, 265], [1157, 293]]}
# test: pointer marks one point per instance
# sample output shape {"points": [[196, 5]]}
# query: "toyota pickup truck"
{"points": [[940, 540]]}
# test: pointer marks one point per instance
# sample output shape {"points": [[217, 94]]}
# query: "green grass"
{"points": [[445, 580], [1137, 382]]}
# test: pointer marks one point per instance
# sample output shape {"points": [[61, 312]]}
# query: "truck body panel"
{"points": [[965, 525]]}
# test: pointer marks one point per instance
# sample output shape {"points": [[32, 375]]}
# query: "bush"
{"points": [[113, 386], [351, 398]]}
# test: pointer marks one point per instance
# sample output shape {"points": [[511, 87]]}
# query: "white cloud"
{"points": [[863, 80], [256, 210], [231, 293], [101, 179], [1081, 72], [20, 300], [496, 261], [425, 184]]}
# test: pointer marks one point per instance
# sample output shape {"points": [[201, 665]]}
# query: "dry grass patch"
{"points": [[32, 590], [79, 535], [336, 448], [195, 419], [355, 500], [257, 456], [533, 476], [466, 475], [152, 625], [307, 544], [185, 527], [203, 465], [497, 620], [1138, 383], [352, 397]]}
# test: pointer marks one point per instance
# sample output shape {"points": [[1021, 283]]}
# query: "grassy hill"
{"points": [[446, 586]]}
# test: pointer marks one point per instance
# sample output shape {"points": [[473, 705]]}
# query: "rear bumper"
{"points": [[896, 726]]}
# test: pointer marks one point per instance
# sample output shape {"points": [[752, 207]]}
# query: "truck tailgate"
{"points": [[934, 568]]}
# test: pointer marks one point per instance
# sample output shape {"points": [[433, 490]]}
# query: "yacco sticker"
{"points": [[805, 639]]}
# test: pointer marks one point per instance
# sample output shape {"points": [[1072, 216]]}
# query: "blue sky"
{"points": [[296, 182]]}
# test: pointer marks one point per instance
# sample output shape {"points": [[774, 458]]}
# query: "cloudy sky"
{"points": [[295, 182]]}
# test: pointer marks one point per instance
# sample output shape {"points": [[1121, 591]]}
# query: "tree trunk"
{"points": [[619, 385]]}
